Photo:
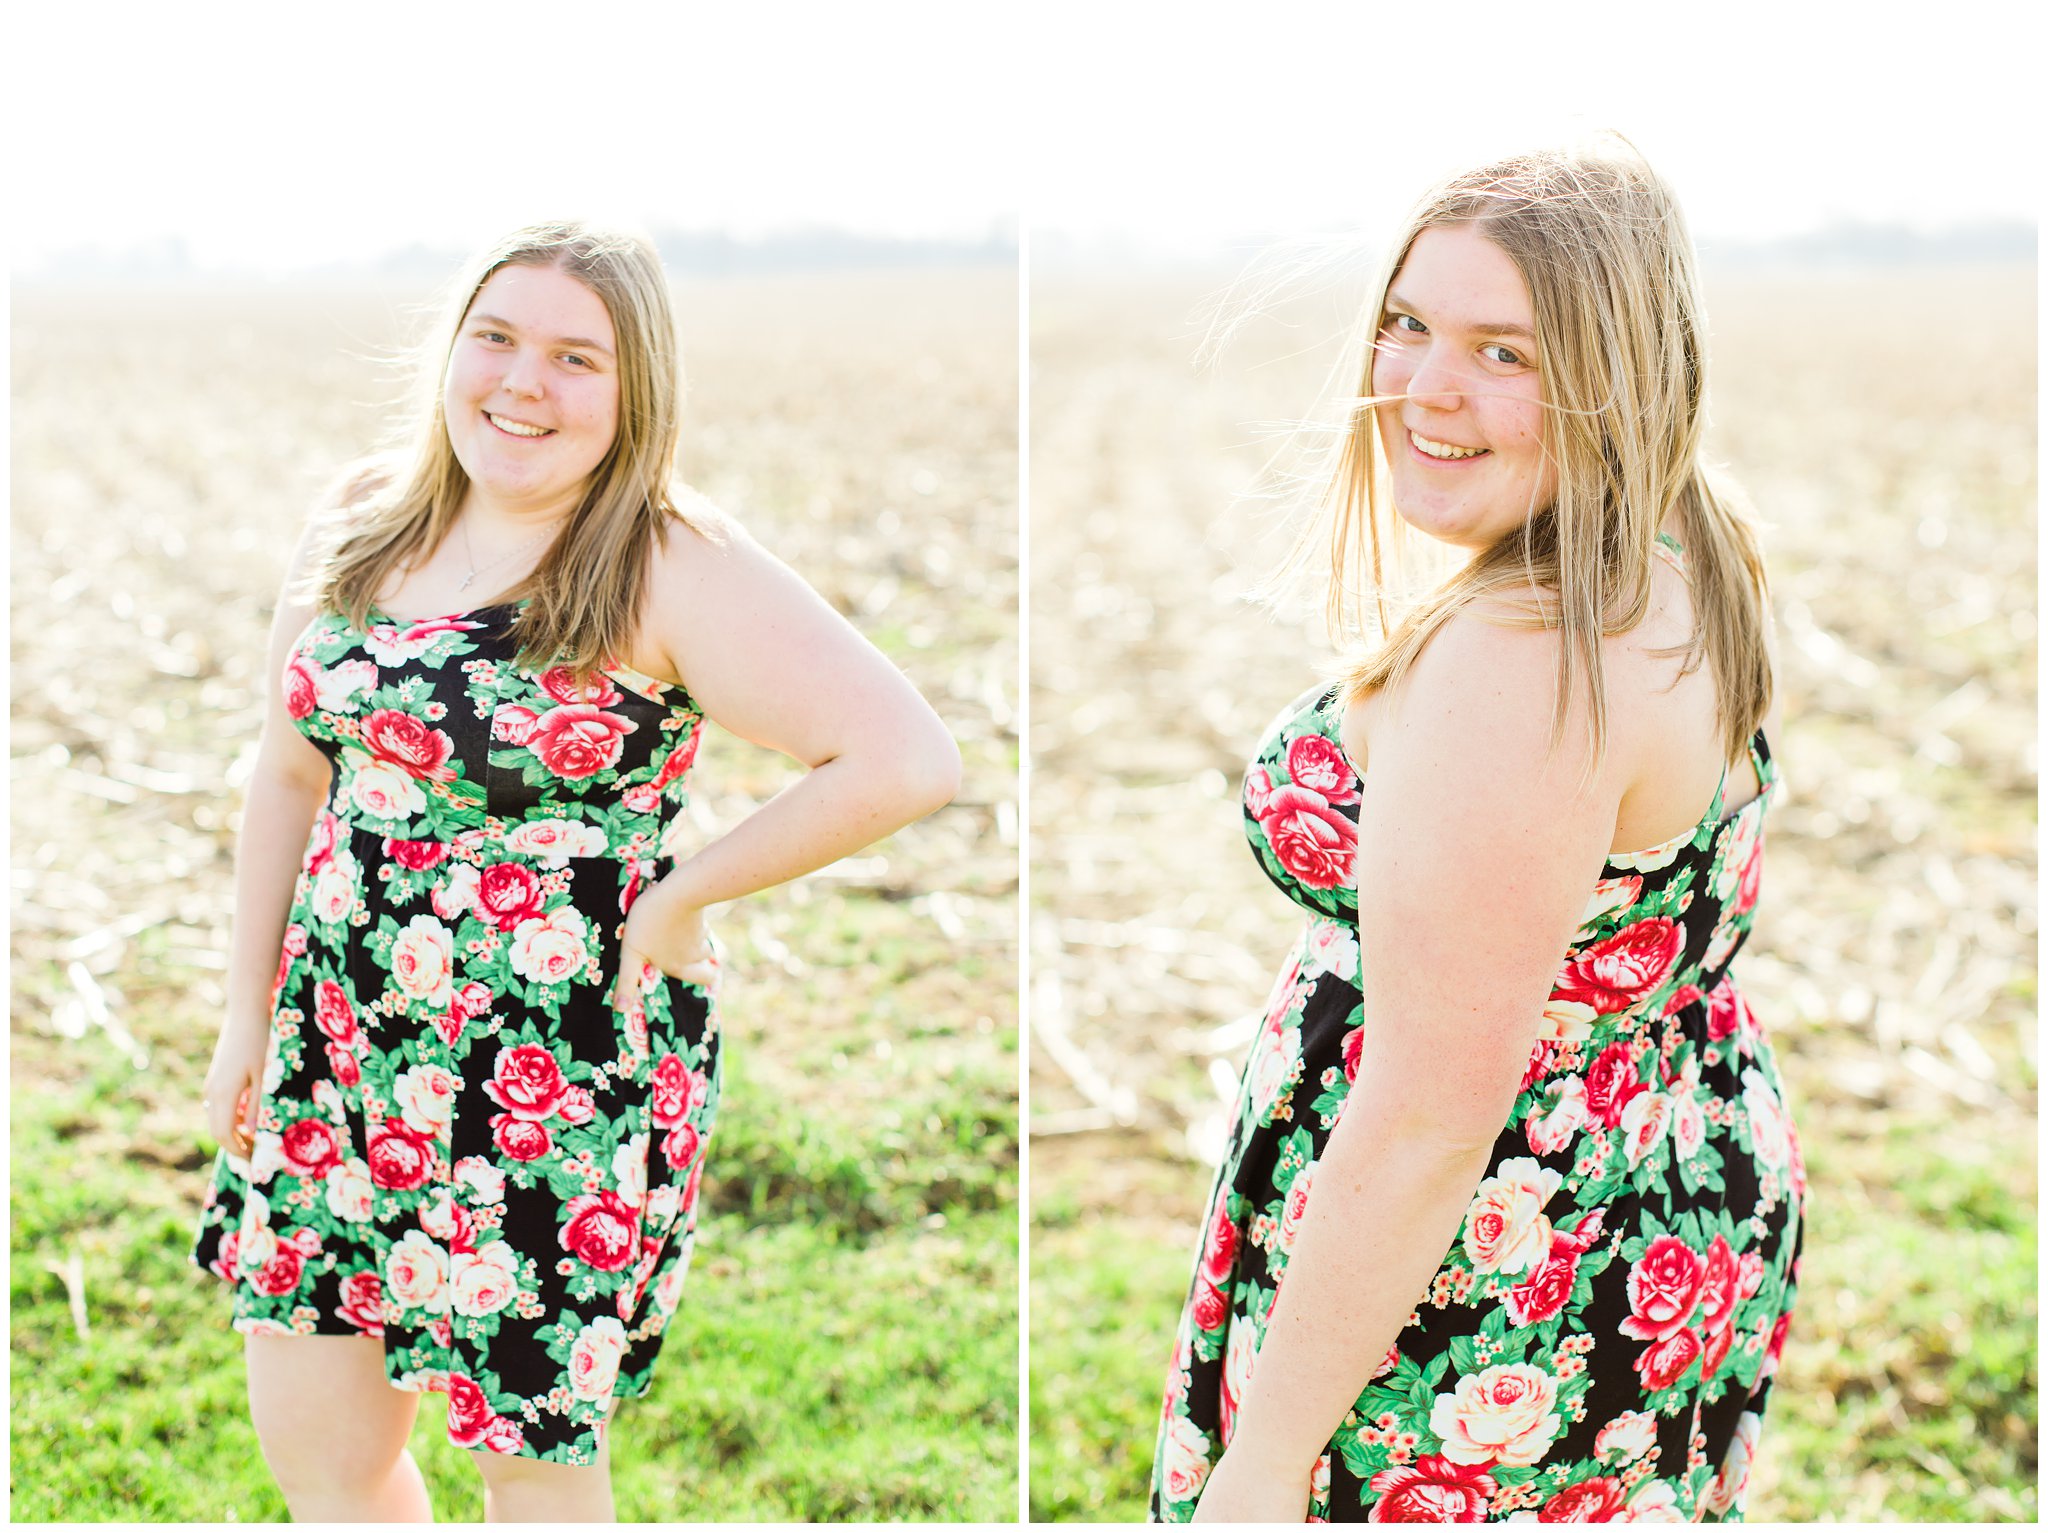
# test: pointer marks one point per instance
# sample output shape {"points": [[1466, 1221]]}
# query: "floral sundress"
{"points": [[464, 1146], [1598, 1343]]}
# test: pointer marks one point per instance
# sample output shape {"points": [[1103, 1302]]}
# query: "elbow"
{"points": [[934, 773]]}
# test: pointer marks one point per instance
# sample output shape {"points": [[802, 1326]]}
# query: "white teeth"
{"points": [[1444, 449], [515, 427]]}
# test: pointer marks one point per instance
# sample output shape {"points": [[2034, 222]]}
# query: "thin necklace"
{"points": [[476, 569]]}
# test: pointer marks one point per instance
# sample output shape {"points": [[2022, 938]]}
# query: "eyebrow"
{"points": [[565, 340], [1520, 332]]}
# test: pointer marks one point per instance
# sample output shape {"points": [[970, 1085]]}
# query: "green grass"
{"points": [[847, 1345], [1909, 1384]]}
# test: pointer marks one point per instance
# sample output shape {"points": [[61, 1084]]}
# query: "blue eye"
{"points": [[1401, 322], [1506, 357], [492, 335], [572, 357]]}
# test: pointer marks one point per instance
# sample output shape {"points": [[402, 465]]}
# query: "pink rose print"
{"points": [[320, 845], [311, 1147], [1542, 1293], [300, 695], [558, 684], [1432, 1489], [333, 1015], [1724, 1011], [1682, 997], [520, 1138], [602, 1231], [1749, 1276], [223, 1263], [1313, 843], [527, 1082], [343, 1066], [1662, 1363], [469, 1413], [281, 1274], [673, 1092], [1663, 1287], [507, 894], [504, 1435], [1354, 1053], [399, 1158], [678, 762], [362, 1302], [577, 740], [418, 856], [1599, 1499], [409, 743], [1716, 1351], [1752, 880], [1717, 1286], [1219, 1253], [1615, 973], [1776, 1345], [1610, 1083], [1258, 791], [512, 723], [1532, 1389], [679, 1146], [1315, 762]]}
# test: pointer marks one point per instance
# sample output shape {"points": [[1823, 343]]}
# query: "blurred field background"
{"points": [[847, 1348], [1885, 425]]}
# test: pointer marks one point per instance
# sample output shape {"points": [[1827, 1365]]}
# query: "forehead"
{"points": [[545, 300], [1462, 275]]}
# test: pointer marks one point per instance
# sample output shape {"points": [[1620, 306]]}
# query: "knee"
{"points": [[323, 1464], [315, 1456]]}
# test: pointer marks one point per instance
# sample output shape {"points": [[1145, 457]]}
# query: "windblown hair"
{"points": [[399, 504], [1599, 240]]}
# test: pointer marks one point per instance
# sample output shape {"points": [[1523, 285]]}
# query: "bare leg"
{"points": [[334, 1430], [531, 1490]]}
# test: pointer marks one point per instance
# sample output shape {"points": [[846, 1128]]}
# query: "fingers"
{"points": [[234, 1127], [245, 1120], [704, 971]]}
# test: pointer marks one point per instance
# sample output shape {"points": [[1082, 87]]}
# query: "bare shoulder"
{"points": [[709, 582], [1475, 715], [698, 543]]}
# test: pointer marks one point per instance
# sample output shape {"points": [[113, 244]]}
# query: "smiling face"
{"points": [[1464, 444], [531, 395]]}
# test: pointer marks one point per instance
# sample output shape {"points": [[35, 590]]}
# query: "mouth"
{"points": [[1445, 452], [520, 429]]}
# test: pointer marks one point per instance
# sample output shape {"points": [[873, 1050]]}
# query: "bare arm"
{"points": [[767, 658], [1461, 813], [284, 796]]}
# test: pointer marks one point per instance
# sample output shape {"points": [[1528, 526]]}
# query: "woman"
{"points": [[1511, 1135], [471, 1051]]}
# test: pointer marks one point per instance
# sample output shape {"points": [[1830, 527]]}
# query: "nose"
{"points": [[1436, 384], [522, 377]]}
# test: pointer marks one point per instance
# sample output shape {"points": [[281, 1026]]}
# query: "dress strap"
{"points": [[1760, 758]]}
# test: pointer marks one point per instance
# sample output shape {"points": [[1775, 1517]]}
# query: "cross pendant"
{"points": [[466, 579]]}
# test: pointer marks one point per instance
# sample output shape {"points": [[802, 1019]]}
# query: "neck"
{"points": [[488, 516]]}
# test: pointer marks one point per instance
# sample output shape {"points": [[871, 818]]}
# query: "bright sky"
{"points": [[277, 136]]}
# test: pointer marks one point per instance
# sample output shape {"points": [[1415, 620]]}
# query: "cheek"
{"points": [[460, 386], [1393, 435], [1520, 428], [600, 416]]}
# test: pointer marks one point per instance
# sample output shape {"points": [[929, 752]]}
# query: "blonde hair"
{"points": [[1598, 238], [399, 504]]}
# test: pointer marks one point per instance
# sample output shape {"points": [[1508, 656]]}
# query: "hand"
{"points": [[234, 1086], [1240, 1490], [670, 936]]}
